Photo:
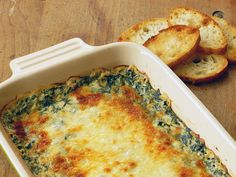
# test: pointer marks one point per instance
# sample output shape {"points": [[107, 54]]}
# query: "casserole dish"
{"points": [[74, 57]]}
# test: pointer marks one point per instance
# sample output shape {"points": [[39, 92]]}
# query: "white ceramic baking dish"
{"points": [[74, 57]]}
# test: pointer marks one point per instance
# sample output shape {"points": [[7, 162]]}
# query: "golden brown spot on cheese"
{"points": [[33, 131], [200, 164], [65, 166], [132, 164], [125, 104], [116, 163], [129, 166], [161, 147], [80, 175], [130, 93], [87, 99], [74, 161], [158, 143], [28, 122], [186, 172], [204, 174], [32, 119], [43, 119], [90, 99], [76, 156], [107, 170], [125, 169], [118, 126], [60, 164], [76, 129], [44, 141]]}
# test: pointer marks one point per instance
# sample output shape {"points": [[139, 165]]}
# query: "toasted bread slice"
{"points": [[212, 40], [202, 68], [141, 32], [174, 44], [230, 33]]}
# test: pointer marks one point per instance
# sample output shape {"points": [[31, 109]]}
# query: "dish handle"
{"points": [[47, 56]]}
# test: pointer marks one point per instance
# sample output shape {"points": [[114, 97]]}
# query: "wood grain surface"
{"points": [[30, 25]]}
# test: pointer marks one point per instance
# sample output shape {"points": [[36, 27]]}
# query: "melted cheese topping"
{"points": [[94, 133], [103, 135]]}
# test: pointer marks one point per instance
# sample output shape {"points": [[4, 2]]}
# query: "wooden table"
{"points": [[28, 26]]}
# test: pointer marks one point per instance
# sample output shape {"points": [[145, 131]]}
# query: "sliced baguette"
{"points": [[212, 40], [141, 32], [202, 68], [174, 44], [230, 33]]}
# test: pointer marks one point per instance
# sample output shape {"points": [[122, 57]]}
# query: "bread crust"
{"points": [[208, 50], [202, 20], [203, 80], [186, 77], [132, 33], [173, 30], [230, 33]]}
